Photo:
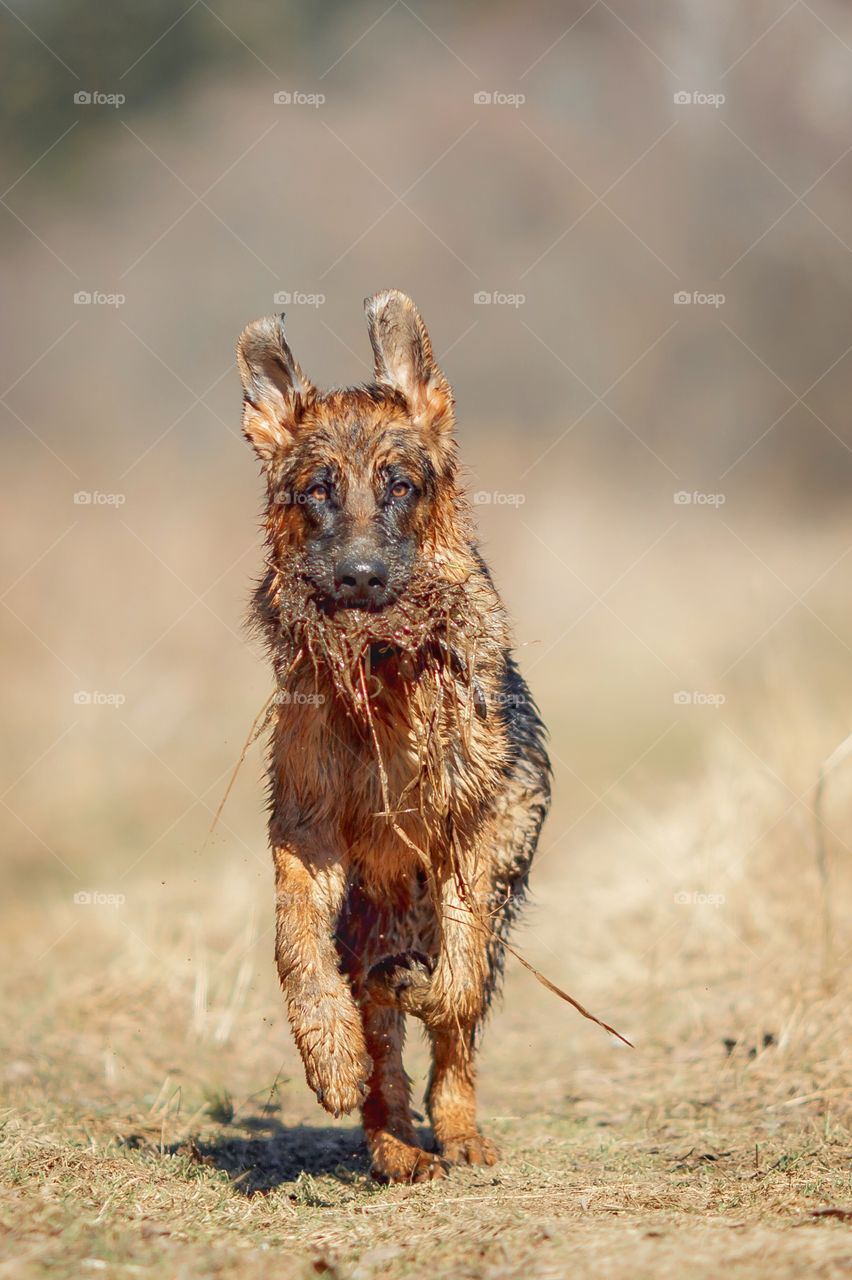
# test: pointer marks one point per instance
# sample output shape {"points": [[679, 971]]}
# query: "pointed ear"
{"points": [[404, 359], [274, 387]]}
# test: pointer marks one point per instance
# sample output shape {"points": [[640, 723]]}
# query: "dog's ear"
{"points": [[274, 387], [404, 359]]}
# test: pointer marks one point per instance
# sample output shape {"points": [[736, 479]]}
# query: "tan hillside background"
{"points": [[693, 659]]}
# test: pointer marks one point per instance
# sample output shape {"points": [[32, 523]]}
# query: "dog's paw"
{"points": [[339, 1078], [472, 1148], [396, 1161]]}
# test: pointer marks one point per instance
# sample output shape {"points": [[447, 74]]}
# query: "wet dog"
{"points": [[407, 770]]}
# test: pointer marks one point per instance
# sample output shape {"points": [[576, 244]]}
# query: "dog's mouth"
{"points": [[331, 604], [364, 605]]}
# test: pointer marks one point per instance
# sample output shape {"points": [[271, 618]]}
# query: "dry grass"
{"points": [[733, 1159]]}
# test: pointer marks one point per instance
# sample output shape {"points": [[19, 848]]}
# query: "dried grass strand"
{"points": [[838, 756]]}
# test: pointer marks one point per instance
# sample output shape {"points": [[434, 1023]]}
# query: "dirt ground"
{"points": [[123, 1153]]}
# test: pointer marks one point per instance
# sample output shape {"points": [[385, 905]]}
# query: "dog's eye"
{"points": [[319, 492], [400, 488]]}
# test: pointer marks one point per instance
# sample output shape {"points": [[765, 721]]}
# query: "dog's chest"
{"points": [[392, 780], [365, 778], [329, 755]]}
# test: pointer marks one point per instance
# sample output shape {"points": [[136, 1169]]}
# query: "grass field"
{"points": [[155, 1117]]}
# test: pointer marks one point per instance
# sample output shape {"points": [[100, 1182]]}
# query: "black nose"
{"points": [[361, 578]]}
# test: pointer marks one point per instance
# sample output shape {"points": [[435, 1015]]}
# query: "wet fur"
{"points": [[407, 772]]}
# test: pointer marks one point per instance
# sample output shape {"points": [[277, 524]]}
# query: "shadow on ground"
{"points": [[283, 1155]]}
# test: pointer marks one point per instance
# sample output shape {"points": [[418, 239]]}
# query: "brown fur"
{"points": [[408, 780]]}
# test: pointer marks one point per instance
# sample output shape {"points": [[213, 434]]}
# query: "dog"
{"points": [[408, 776]]}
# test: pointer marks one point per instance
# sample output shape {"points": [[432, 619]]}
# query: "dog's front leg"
{"points": [[325, 1021], [457, 1005]]}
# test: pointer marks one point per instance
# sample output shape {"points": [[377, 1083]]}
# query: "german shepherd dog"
{"points": [[408, 779]]}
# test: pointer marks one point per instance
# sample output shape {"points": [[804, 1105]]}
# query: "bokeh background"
{"points": [[662, 489]]}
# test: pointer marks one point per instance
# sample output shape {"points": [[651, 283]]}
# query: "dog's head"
{"points": [[360, 482]]}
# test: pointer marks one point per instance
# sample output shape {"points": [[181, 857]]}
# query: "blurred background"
{"points": [[627, 230]]}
